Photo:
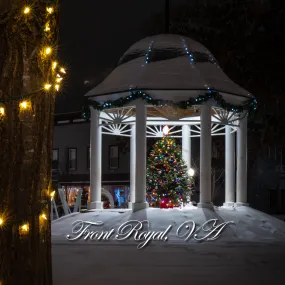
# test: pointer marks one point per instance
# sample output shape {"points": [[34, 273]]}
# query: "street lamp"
{"points": [[165, 130], [191, 172]]}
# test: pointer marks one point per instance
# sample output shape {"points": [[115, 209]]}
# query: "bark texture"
{"points": [[25, 144]]}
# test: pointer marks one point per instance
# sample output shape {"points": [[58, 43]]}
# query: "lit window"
{"points": [[55, 158], [114, 157], [72, 158], [88, 156]]}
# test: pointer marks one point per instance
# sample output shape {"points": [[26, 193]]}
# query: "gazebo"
{"points": [[175, 81]]}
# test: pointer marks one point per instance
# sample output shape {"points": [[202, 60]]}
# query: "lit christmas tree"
{"points": [[168, 183]]}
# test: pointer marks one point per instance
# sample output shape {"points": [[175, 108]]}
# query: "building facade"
{"points": [[71, 162], [71, 167]]}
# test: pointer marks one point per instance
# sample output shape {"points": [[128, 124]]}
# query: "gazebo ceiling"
{"points": [[168, 112], [168, 67]]}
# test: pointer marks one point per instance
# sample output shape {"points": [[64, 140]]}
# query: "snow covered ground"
{"points": [[248, 225], [250, 251]]}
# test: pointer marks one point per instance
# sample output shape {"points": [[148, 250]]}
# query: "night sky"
{"points": [[93, 37]]}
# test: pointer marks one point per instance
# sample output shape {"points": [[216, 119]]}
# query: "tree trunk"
{"points": [[25, 143]]}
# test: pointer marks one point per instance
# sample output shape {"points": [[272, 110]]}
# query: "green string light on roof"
{"points": [[250, 105]]}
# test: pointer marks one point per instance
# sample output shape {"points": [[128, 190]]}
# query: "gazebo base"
{"points": [[205, 205], [138, 206], [95, 205], [189, 205], [228, 204], [240, 204]]}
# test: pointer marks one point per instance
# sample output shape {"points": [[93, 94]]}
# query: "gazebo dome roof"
{"points": [[168, 67]]}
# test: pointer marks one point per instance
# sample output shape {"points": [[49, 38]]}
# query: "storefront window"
{"points": [[72, 158], [120, 195]]}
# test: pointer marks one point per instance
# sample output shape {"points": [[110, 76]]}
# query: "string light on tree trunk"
{"points": [[46, 54], [27, 10], [24, 229], [62, 70], [47, 27], [2, 111], [52, 194], [36, 31], [47, 86], [43, 216], [54, 65], [48, 50], [50, 10], [25, 105]]}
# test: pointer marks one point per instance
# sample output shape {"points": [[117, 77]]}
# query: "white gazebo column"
{"points": [[95, 161], [229, 167], [186, 149], [140, 153], [205, 157], [186, 145], [242, 162], [132, 165]]}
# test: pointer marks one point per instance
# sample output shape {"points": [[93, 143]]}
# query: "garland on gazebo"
{"points": [[249, 105]]}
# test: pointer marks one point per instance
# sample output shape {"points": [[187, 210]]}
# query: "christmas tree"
{"points": [[167, 177]]}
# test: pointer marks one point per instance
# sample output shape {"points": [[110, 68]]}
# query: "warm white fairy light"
{"points": [[62, 70], [24, 105], [48, 50], [47, 86], [50, 10], [52, 194], [44, 216], [25, 227], [27, 10], [47, 27]]}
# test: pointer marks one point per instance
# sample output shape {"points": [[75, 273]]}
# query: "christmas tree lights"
{"points": [[168, 182]]}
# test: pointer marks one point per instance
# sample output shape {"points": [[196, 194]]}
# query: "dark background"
{"points": [[93, 37], [246, 37]]}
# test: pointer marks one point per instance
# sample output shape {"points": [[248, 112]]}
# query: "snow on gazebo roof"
{"points": [[168, 67]]}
